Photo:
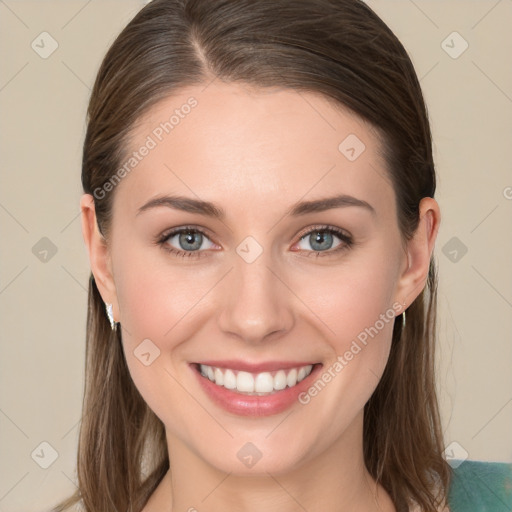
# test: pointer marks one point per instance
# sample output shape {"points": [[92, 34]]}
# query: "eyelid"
{"points": [[346, 240], [323, 227], [162, 238], [174, 231]]}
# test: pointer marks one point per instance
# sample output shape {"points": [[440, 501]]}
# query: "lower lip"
{"points": [[254, 405]]}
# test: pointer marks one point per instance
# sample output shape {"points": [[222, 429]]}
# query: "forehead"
{"points": [[233, 143]]}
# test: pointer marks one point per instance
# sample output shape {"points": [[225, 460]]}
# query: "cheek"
{"points": [[159, 305], [355, 306], [353, 297], [154, 297], [354, 309], [156, 306]]}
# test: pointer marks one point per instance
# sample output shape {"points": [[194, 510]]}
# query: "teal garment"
{"points": [[479, 486]]}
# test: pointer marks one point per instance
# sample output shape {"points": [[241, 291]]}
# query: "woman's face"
{"points": [[268, 285]]}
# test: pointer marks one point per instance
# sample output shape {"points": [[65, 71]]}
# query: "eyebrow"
{"points": [[188, 204]]}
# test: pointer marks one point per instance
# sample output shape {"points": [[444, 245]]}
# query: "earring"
{"points": [[403, 317], [110, 315]]}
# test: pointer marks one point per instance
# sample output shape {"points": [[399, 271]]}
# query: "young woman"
{"points": [[260, 218]]}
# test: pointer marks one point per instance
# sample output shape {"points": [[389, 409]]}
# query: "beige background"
{"points": [[43, 303]]}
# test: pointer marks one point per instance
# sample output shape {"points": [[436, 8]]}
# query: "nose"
{"points": [[256, 304]]}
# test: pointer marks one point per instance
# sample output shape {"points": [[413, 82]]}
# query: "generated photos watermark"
{"points": [[152, 140], [356, 347]]}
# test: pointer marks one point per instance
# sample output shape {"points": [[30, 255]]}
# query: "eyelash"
{"points": [[344, 237]]}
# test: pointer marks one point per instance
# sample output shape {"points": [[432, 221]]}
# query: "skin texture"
{"points": [[255, 153]]}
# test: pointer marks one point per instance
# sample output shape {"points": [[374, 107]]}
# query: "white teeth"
{"points": [[229, 380], [264, 383], [280, 380], [219, 377], [291, 378], [255, 384], [245, 382]]}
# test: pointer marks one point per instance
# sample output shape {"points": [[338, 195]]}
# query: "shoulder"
{"points": [[479, 486]]}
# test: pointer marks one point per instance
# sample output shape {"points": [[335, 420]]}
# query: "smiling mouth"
{"points": [[257, 384]]}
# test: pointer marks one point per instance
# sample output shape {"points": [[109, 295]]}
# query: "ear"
{"points": [[419, 250], [99, 253]]}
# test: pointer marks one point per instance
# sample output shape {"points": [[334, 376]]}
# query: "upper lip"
{"points": [[265, 366]]}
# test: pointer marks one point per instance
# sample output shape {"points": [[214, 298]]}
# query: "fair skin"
{"points": [[255, 153]]}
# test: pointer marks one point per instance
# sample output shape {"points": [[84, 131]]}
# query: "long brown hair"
{"points": [[344, 51]]}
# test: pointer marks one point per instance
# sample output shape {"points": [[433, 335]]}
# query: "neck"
{"points": [[335, 479]]}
